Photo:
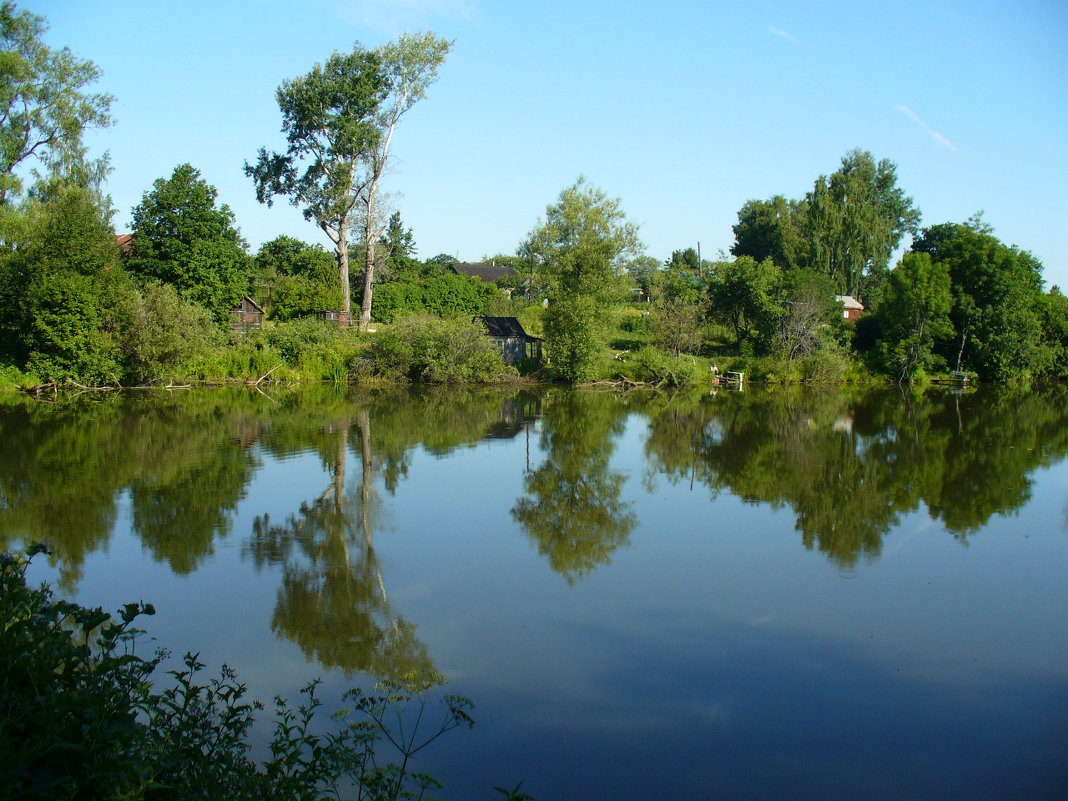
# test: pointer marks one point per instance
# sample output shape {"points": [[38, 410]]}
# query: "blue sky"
{"points": [[682, 109]]}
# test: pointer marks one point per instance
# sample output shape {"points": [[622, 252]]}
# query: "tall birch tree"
{"points": [[408, 66], [329, 118], [339, 121]]}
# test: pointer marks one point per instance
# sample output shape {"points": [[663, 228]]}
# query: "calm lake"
{"points": [[760, 595]]}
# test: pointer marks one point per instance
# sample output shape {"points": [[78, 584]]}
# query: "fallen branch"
{"points": [[264, 376]]}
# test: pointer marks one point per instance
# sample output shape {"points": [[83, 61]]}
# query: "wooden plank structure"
{"points": [[341, 318], [731, 378], [246, 316]]}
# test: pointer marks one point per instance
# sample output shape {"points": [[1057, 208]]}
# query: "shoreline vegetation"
{"points": [[844, 283]]}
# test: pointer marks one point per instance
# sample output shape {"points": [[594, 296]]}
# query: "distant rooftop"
{"points": [[487, 272]]}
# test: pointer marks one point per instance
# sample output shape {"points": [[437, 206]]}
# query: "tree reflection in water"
{"points": [[574, 510], [849, 464], [333, 602]]}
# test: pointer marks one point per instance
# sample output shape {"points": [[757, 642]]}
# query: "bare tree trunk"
{"points": [[370, 242], [343, 268]]}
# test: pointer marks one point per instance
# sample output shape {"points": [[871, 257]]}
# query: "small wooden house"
{"points": [[852, 308], [341, 318], [507, 334], [247, 316]]}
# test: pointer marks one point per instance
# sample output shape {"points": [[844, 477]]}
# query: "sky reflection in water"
{"points": [[767, 595]]}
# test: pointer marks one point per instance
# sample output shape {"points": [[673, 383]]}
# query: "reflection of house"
{"points": [[507, 334], [487, 272], [247, 316], [851, 307], [517, 414]]}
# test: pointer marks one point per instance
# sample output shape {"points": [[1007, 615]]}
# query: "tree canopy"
{"points": [[339, 121], [44, 105], [847, 227], [182, 237], [579, 255]]}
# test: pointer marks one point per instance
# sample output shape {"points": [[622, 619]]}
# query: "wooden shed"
{"points": [[852, 309], [246, 316], [507, 334]]}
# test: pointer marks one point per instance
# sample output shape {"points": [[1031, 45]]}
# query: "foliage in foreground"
{"points": [[80, 718]]}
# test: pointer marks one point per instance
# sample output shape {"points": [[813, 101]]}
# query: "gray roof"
{"points": [[487, 272], [849, 302], [505, 327]]}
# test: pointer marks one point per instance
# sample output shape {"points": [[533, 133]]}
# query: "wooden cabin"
{"points": [[852, 309], [247, 316], [507, 334]]}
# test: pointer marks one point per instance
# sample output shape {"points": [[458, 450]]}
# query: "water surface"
{"points": [[749, 595]]}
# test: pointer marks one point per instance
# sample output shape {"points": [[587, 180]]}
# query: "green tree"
{"points": [[292, 278], [182, 237], [747, 295], [59, 288], [339, 122], [409, 66], [769, 229], [642, 271], [579, 253], [854, 220], [681, 279], [328, 118], [287, 255], [1054, 311], [997, 297], [398, 248], [44, 105], [913, 313]]}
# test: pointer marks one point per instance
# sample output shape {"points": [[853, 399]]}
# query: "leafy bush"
{"points": [[396, 300], [447, 295], [13, 378], [80, 718], [297, 338], [66, 338], [294, 296], [436, 351], [654, 366], [575, 330], [164, 333]]}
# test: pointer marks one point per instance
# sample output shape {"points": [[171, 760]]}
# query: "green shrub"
{"points": [[12, 377], [434, 351], [66, 337], [396, 300], [654, 366], [295, 296], [79, 718], [164, 333]]}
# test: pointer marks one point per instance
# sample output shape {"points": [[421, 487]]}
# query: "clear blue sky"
{"points": [[682, 109]]}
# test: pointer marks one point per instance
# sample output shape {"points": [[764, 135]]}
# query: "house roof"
{"points": [[257, 306], [125, 243], [849, 302], [487, 272], [505, 327]]}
